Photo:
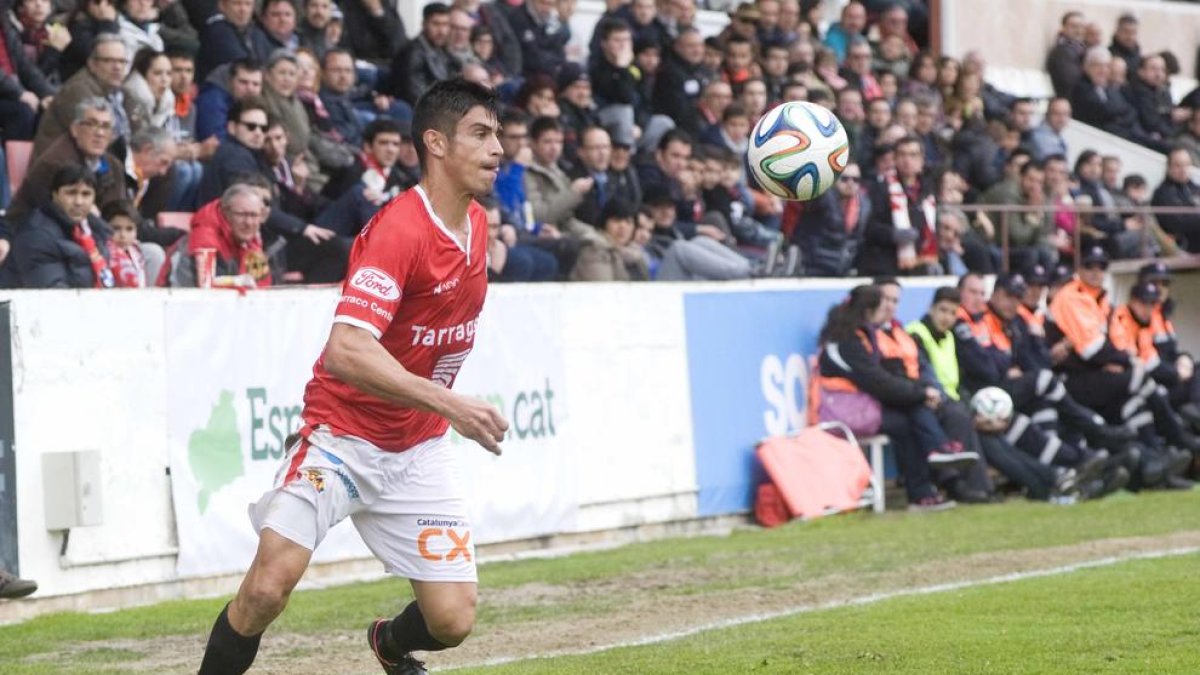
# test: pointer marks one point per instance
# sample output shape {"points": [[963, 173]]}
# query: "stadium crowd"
{"points": [[626, 165]]}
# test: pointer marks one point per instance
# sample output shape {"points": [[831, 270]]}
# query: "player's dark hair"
{"points": [[885, 280], [610, 25], [244, 65], [962, 281], [1032, 165], [617, 208], [434, 9], [120, 207], [674, 136], [1133, 181], [245, 105], [734, 110], [444, 105]]}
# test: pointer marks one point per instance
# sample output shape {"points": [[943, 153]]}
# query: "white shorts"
{"points": [[409, 507]]}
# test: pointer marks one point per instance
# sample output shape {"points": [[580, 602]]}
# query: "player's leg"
{"points": [[441, 616], [277, 568]]}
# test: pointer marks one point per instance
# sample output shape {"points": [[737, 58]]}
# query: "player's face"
{"points": [[474, 153]]}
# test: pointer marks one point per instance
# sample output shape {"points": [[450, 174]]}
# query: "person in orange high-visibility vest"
{"points": [[1102, 372], [1185, 393]]}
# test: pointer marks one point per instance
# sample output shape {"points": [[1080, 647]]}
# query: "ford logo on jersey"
{"points": [[376, 282]]}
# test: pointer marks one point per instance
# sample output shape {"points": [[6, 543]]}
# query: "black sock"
{"points": [[228, 652], [409, 633]]}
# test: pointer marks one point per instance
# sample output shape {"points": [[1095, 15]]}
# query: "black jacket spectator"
{"points": [[677, 91], [27, 75], [418, 67], [1184, 227], [616, 185], [231, 159], [377, 39], [613, 85], [879, 253], [1065, 65], [84, 29], [224, 43], [342, 115], [543, 43], [1107, 108], [827, 248], [1153, 107], [35, 190], [44, 253], [508, 47], [868, 373]]}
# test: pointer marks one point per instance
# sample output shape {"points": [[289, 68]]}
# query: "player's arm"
{"points": [[354, 356]]}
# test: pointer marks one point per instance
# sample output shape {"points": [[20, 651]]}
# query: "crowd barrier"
{"points": [[631, 404]]}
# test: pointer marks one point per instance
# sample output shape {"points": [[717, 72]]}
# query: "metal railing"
{"points": [[1082, 214]]}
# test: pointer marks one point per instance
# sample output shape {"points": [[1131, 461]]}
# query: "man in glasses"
{"points": [[829, 230], [85, 143], [323, 257], [105, 71]]}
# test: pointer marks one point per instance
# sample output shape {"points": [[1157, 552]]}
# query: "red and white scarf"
{"points": [[907, 255]]}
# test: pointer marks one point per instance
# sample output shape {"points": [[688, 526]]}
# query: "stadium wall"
{"points": [[632, 405]]}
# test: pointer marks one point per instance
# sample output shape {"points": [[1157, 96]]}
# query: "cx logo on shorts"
{"points": [[459, 543]]}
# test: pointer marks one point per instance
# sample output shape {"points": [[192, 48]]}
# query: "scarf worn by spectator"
{"points": [[907, 256], [249, 257], [100, 271], [34, 36], [128, 265]]}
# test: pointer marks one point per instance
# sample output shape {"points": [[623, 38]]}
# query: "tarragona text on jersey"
{"points": [[419, 290]]}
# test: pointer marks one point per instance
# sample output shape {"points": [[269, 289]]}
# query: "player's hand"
{"points": [[318, 234], [933, 397], [581, 186], [479, 421]]}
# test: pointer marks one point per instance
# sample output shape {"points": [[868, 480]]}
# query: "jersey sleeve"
{"points": [[374, 286]]}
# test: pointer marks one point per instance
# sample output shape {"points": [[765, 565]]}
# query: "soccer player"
{"points": [[377, 409]]}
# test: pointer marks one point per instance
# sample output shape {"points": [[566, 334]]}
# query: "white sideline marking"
{"points": [[851, 602]]}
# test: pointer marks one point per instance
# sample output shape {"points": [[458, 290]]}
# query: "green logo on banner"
{"points": [[215, 452]]}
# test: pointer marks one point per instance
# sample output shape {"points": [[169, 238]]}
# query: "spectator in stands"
{"points": [[314, 27], [1184, 387], [852, 114], [1047, 139], [753, 98], [126, 260], [491, 18], [337, 85], [714, 99], [232, 227], [229, 35], [138, 26], [278, 23], [327, 153], [680, 82], [510, 260], [774, 67], [1093, 35], [878, 118], [1179, 190], [851, 360], [622, 173], [852, 25], [543, 36], [44, 41], [1125, 42], [901, 238], [458, 43], [702, 257], [224, 86], [241, 150], [1104, 228], [25, 89], [1189, 138], [830, 229], [926, 129], [290, 175], [733, 133], [374, 33], [175, 27], [425, 60], [1150, 96], [63, 244], [85, 144], [921, 81], [996, 103], [88, 19], [595, 157], [1154, 241], [670, 161], [1031, 235], [553, 195], [148, 90], [577, 109], [373, 180], [857, 70], [1097, 101], [1064, 63], [149, 177], [613, 256], [103, 77]]}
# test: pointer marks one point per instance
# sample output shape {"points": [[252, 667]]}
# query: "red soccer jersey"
{"points": [[413, 286]]}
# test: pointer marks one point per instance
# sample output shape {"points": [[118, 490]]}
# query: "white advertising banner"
{"points": [[236, 372]]}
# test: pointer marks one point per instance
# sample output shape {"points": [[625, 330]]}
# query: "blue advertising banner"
{"points": [[748, 366]]}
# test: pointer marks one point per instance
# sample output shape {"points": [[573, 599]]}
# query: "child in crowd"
{"points": [[125, 257]]}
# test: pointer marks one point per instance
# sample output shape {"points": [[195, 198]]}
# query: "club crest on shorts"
{"points": [[316, 478]]}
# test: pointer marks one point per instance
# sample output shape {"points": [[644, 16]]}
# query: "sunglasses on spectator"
{"points": [[253, 126]]}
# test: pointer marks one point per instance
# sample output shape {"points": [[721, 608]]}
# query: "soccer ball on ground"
{"points": [[992, 405], [797, 150]]}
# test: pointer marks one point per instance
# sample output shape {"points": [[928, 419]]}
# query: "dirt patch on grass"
{"points": [[640, 606]]}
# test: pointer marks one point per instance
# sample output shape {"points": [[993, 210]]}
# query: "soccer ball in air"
{"points": [[797, 150], [993, 405]]}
